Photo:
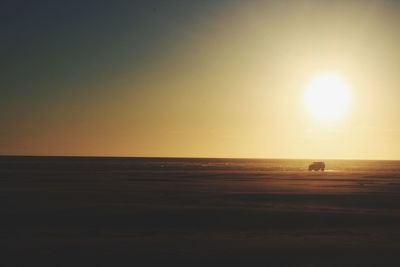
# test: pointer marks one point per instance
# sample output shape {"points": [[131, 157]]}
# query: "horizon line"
{"points": [[186, 157]]}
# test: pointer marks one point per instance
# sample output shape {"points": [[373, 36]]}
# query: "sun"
{"points": [[327, 96]]}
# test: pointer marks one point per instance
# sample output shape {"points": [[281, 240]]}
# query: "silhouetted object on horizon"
{"points": [[316, 166]]}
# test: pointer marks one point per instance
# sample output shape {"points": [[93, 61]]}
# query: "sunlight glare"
{"points": [[327, 96]]}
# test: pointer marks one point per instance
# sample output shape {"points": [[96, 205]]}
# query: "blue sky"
{"points": [[196, 78]]}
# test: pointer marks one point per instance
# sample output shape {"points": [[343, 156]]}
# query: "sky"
{"points": [[197, 78]]}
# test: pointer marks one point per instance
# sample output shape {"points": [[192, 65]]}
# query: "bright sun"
{"points": [[327, 96]]}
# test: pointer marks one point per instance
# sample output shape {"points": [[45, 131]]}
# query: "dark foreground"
{"points": [[177, 212]]}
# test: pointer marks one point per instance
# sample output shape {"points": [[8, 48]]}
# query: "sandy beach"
{"points": [[177, 212]]}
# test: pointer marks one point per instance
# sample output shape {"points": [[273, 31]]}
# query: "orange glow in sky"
{"points": [[260, 79]]}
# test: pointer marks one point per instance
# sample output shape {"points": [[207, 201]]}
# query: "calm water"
{"points": [[126, 164]]}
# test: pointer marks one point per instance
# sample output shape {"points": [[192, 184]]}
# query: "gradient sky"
{"points": [[196, 78]]}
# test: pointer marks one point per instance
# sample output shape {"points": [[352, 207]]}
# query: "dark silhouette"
{"points": [[316, 166], [95, 211]]}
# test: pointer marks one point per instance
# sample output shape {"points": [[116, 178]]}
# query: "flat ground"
{"points": [[74, 214]]}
